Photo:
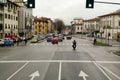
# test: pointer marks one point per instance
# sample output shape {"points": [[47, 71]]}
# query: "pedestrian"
{"points": [[25, 41], [95, 40]]}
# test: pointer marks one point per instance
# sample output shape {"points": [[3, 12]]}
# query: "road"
{"points": [[45, 61]]}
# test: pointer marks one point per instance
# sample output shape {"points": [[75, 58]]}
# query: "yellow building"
{"points": [[41, 25]]}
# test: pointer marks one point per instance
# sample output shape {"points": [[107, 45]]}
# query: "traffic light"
{"points": [[89, 3], [30, 3]]}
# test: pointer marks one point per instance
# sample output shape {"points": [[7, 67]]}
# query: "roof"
{"points": [[93, 19], [110, 14]]}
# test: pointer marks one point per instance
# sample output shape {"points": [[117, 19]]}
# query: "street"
{"points": [[45, 61]]}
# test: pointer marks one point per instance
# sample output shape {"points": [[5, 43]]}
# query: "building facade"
{"points": [[77, 25], [1, 19], [110, 24], [42, 25], [10, 19], [91, 26], [25, 21]]}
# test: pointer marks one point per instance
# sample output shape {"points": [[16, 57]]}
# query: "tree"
{"points": [[59, 25]]}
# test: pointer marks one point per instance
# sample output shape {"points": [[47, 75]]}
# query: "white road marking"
{"points": [[46, 44], [110, 72], [34, 61], [83, 74], [60, 68], [79, 61], [102, 70], [35, 74], [17, 71]]}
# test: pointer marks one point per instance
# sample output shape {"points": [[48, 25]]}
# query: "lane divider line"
{"points": [[110, 72], [17, 71], [67, 61], [60, 68], [102, 70]]}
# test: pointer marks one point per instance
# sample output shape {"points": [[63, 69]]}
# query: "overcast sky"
{"points": [[67, 10]]}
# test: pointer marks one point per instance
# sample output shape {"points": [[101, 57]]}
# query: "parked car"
{"points": [[1, 42], [8, 42], [55, 40], [34, 40], [49, 39], [60, 39]]}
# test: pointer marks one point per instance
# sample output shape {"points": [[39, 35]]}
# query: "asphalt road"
{"points": [[45, 61]]}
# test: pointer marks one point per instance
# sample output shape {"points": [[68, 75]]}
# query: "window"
{"points": [[5, 26], [14, 26], [78, 28], [9, 16], [8, 26], [16, 18], [6, 16], [119, 23]]}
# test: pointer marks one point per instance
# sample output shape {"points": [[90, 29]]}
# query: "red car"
{"points": [[55, 40]]}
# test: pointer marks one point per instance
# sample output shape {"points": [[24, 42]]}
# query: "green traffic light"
{"points": [[30, 5], [89, 3]]}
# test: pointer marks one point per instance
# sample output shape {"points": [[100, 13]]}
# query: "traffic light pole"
{"points": [[107, 2]]}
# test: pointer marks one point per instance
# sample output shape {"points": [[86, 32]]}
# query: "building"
{"points": [[42, 25], [77, 25], [25, 21], [91, 26], [110, 24], [10, 19], [1, 19]]}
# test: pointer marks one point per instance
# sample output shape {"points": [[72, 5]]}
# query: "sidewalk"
{"points": [[111, 42]]}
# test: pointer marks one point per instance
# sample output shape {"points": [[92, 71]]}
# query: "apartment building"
{"points": [[110, 24], [42, 25], [10, 19], [77, 25], [91, 26]]}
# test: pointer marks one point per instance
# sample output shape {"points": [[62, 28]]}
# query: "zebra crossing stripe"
{"points": [[59, 44]]}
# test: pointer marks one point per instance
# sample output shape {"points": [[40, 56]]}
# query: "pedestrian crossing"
{"points": [[60, 44]]}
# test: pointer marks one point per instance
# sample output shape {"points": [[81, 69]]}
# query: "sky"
{"points": [[67, 10]]}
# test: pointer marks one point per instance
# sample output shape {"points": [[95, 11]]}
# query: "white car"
{"points": [[1, 42]]}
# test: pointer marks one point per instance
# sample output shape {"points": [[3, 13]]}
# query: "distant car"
{"points": [[1, 42], [55, 40], [69, 37], [60, 39], [34, 40], [49, 39]]}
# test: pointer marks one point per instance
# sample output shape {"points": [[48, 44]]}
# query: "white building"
{"points": [[91, 26], [77, 25], [10, 20], [110, 23]]}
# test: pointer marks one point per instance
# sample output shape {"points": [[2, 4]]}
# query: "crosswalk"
{"points": [[60, 44]]}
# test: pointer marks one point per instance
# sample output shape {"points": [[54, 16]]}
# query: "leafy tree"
{"points": [[59, 25]]}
